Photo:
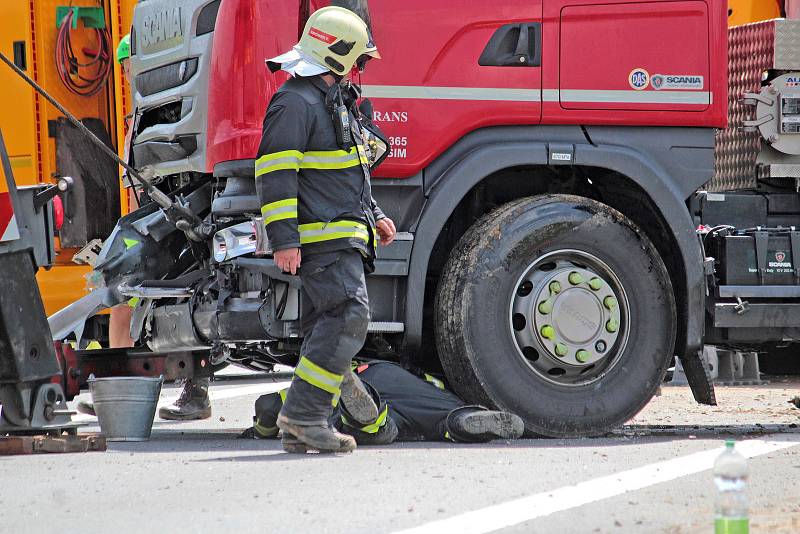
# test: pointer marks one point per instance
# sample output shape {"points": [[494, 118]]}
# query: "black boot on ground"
{"points": [[265, 421], [385, 435], [300, 439], [193, 403], [474, 424]]}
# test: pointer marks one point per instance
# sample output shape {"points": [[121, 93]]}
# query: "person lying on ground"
{"points": [[410, 409]]}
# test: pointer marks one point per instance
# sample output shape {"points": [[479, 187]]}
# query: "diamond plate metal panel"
{"points": [[751, 51], [787, 44]]}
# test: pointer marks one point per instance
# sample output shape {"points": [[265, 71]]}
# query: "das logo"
{"points": [[639, 78], [780, 256]]}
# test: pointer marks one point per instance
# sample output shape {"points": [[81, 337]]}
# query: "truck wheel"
{"points": [[559, 309]]}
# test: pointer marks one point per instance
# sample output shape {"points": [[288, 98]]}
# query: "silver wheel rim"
{"points": [[569, 317]]}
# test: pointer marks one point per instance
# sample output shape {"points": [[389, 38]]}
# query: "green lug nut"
{"points": [[575, 278], [583, 356], [612, 325], [548, 332], [595, 284], [555, 287], [546, 306], [610, 303], [561, 350]]}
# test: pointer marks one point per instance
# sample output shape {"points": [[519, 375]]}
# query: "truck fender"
{"points": [[476, 163]]}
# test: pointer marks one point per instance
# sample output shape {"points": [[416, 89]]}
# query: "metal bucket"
{"points": [[125, 406]]}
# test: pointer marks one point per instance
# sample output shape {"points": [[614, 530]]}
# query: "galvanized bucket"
{"points": [[125, 406]]}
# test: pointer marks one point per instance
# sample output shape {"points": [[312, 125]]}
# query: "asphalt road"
{"points": [[651, 476]]}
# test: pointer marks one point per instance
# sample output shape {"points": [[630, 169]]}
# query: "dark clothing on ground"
{"points": [[419, 409]]}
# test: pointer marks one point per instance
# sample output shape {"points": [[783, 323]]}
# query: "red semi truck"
{"points": [[544, 172]]}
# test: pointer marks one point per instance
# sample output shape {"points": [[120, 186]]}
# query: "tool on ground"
{"points": [[16, 445]]}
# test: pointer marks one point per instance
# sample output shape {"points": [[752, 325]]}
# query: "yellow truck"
{"points": [[76, 64]]}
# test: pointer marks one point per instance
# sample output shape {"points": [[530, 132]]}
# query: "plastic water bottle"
{"points": [[730, 476]]}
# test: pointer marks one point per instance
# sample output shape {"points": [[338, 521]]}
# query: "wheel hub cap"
{"points": [[567, 319]]}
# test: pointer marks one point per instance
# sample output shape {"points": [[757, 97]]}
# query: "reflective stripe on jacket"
{"points": [[314, 194]]}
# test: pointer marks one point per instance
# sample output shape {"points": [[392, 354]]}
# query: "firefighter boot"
{"points": [[357, 401], [299, 439], [472, 424], [265, 421], [381, 430], [385, 434], [192, 404]]}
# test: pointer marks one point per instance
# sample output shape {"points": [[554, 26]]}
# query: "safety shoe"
{"points": [[385, 435], [300, 439], [86, 408], [193, 403], [260, 431], [483, 425], [357, 401]]}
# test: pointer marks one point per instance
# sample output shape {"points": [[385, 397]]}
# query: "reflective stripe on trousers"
{"points": [[372, 428], [319, 377]]}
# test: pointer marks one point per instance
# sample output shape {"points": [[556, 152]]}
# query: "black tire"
{"points": [[480, 352]]}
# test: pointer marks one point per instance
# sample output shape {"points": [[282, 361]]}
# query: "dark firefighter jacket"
{"points": [[314, 194]]}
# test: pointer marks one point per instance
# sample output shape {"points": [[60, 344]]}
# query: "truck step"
{"points": [[386, 328]]}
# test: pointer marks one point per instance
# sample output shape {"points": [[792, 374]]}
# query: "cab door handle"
{"points": [[514, 45]]}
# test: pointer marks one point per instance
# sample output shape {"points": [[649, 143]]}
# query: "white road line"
{"points": [[542, 504], [241, 391]]}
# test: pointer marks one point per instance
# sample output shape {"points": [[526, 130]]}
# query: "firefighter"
{"points": [[411, 409], [313, 182]]}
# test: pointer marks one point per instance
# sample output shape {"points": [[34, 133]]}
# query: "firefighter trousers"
{"points": [[420, 408], [335, 309]]}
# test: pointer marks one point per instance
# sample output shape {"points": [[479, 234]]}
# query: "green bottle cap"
{"points": [[729, 443]]}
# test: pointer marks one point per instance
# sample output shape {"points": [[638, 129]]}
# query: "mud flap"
{"points": [[697, 374]]}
